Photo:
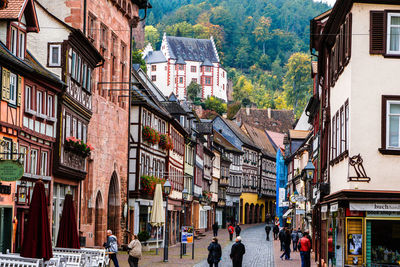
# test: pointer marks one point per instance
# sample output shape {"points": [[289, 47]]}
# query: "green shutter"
{"points": [[19, 90]]}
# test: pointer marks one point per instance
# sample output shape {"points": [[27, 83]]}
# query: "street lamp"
{"points": [[309, 170], [185, 195], [167, 190]]}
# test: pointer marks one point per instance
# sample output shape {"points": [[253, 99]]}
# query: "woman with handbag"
{"points": [[135, 251], [214, 253]]}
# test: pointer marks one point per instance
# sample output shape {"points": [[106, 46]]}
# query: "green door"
{"points": [[5, 229]]}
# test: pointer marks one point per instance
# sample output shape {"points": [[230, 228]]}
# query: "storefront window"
{"points": [[384, 239]]}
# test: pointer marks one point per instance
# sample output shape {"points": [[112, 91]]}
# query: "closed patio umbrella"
{"points": [[37, 241], [157, 217], [68, 232]]}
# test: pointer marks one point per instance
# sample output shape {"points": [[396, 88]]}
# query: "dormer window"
{"points": [[17, 42], [55, 55]]}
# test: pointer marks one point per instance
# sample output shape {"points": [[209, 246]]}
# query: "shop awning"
{"points": [[287, 213]]}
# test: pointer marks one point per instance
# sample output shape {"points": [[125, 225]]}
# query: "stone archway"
{"points": [[257, 219], [98, 221], [246, 213], [114, 205], [251, 213]]}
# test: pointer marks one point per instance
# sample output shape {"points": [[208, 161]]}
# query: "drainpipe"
{"points": [[84, 16], [129, 124]]}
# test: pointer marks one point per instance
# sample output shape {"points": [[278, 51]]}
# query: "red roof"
{"points": [[13, 10]]}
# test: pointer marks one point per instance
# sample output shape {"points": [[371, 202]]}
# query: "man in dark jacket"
{"points": [[215, 229], [276, 231], [282, 238], [237, 252], [267, 230], [238, 230], [215, 253]]}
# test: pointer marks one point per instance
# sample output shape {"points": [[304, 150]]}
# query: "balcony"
{"points": [[224, 182]]}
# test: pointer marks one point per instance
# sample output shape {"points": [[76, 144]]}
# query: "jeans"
{"points": [[215, 232], [230, 236], [286, 253], [282, 246], [305, 258], [214, 264], [133, 262], [294, 245], [113, 257], [267, 236]]}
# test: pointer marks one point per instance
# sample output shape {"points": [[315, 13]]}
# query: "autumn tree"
{"points": [[297, 82], [215, 104], [152, 35], [262, 31]]}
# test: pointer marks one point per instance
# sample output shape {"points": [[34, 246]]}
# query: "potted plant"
{"points": [[143, 236], [78, 146], [166, 142], [148, 183]]}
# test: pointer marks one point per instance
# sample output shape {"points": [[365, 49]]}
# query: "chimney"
{"points": [[269, 113], [248, 111]]}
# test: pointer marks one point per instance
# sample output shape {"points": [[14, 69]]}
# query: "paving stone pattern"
{"points": [[259, 252]]}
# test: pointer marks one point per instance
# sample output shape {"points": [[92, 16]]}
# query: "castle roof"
{"points": [[191, 49], [155, 57]]}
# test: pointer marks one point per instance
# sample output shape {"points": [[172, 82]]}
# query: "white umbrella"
{"points": [[157, 217]]}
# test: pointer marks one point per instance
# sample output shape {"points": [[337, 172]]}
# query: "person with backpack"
{"points": [[238, 230], [214, 253], [304, 247], [112, 247], [230, 231]]}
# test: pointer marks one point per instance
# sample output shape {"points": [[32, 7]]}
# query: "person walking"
{"points": [[135, 251], [238, 230], [267, 230], [237, 252], [230, 231], [276, 231], [112, 247], [304, 247], [295, 240], [281, 236], [286, 245], [214, 253], [215, 229], [331, 253]]}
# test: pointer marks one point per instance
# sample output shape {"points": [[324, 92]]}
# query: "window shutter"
{"points": [[377, 32], [5, 87], [19, 90], [348, 37]]}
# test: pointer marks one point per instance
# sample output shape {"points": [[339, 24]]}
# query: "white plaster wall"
{"points": [[37, 42], [161, 77], [57, 8], [371, 76]]}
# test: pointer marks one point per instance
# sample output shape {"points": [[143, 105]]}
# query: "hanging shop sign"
{"points": [[207, 208], [334, 207], [315, 146], [10, 170], [5, 189], [375, 206], [324, 208]]}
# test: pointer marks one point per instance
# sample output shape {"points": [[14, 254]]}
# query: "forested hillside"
{"points": [[259, 43]]}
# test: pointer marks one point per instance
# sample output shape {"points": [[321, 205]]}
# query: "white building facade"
{"points": [[181, 61]]}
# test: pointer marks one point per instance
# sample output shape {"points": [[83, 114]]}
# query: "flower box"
{"points": [[166, 142], [148, 184], [150, 135], [78, 146]]}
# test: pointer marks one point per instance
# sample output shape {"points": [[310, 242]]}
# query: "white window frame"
{"points": [[22, 150], [51, 49], [13, 40], [21, 44], [73, 64], [49, 106], [39, 102], [84, 133], [67, 126], [389, 16], [43, 163], [14, 85], [388, 114], [79, 130], [33, 161], [84, 75], [89, 80], [28, 98]]}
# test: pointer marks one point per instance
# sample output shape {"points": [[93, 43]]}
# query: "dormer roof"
{"points": [[16, 10], [180, 61], [207, 63]]}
